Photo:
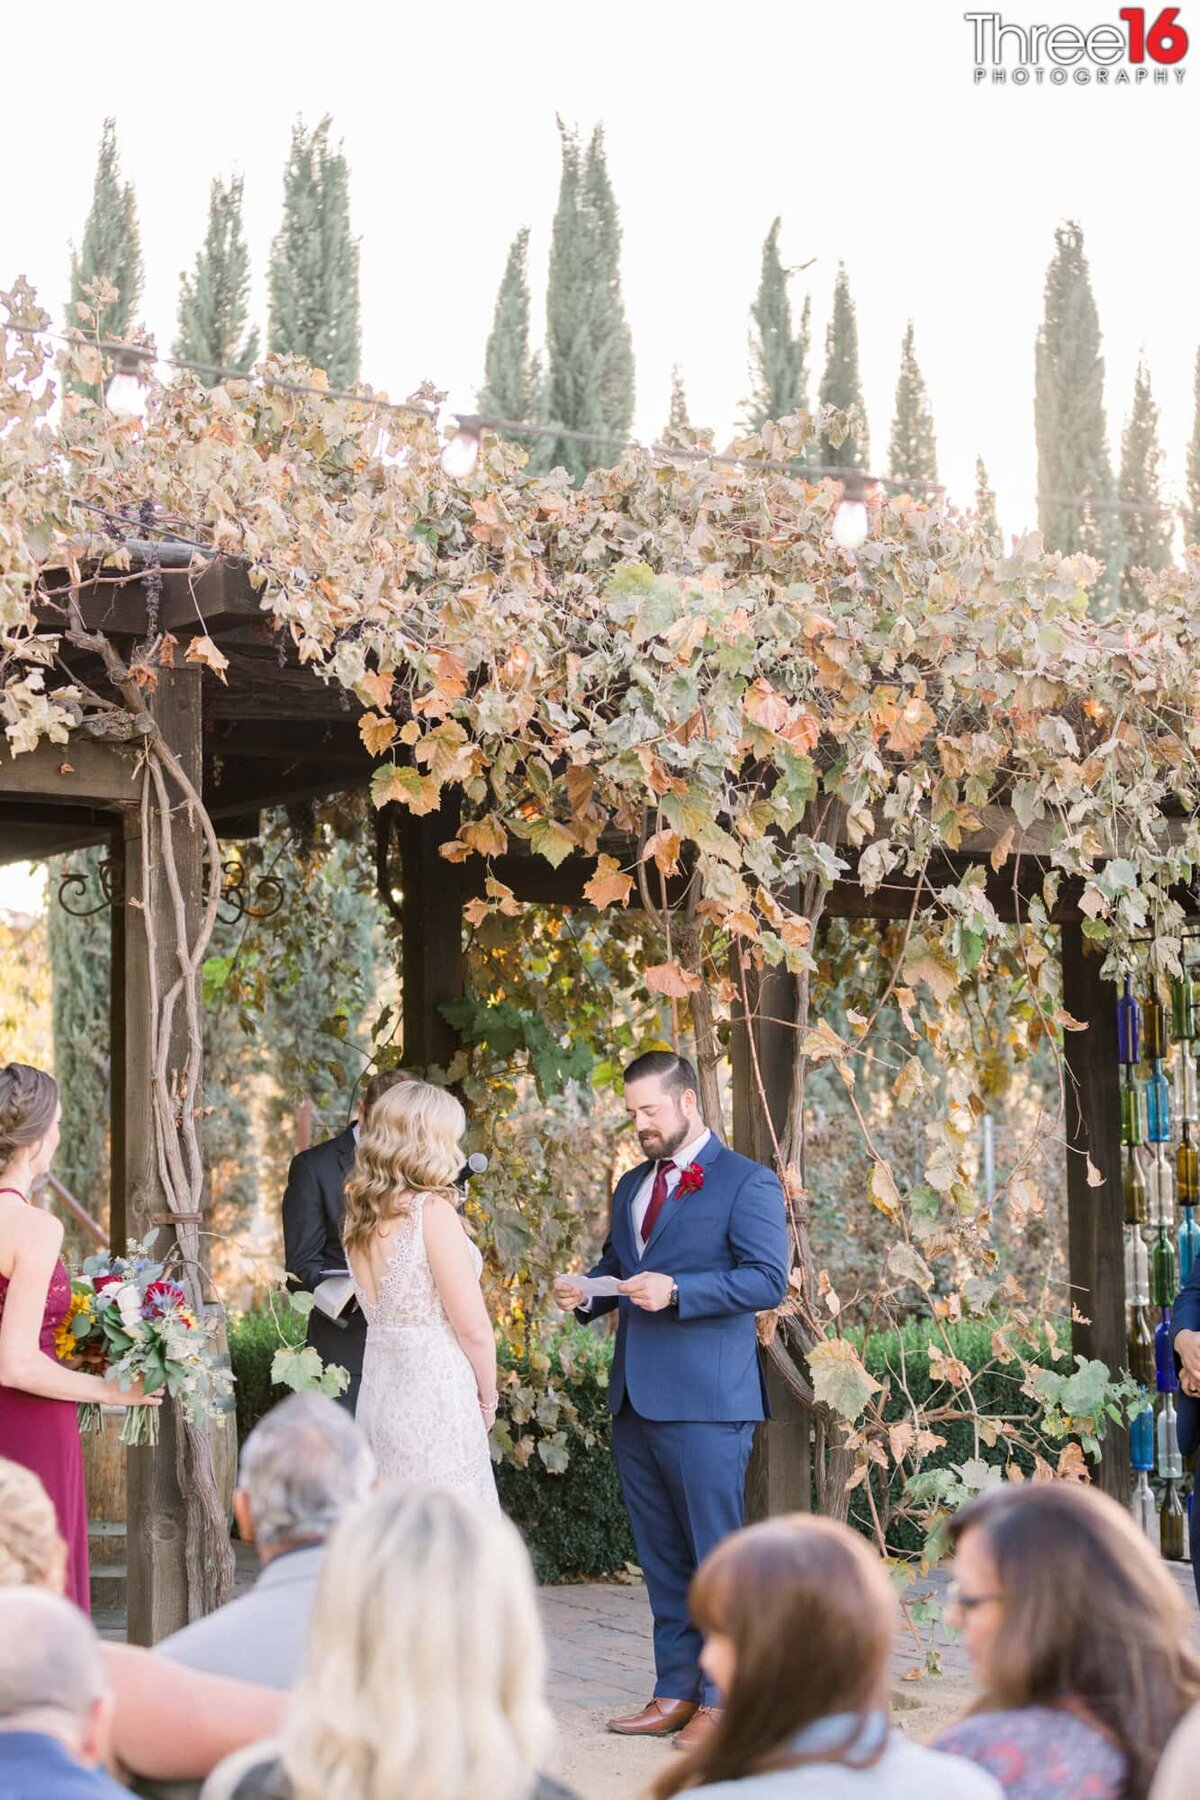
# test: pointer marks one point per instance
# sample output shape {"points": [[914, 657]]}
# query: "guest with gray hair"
{"points": [[303, 1468], [54, 1701]]}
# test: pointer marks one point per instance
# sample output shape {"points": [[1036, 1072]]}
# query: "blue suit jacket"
{"points": [[725, 1246], [1185, 1316], [35, 1766]]}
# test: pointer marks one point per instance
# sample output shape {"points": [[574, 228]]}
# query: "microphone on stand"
{"points": [[476, 1164]]}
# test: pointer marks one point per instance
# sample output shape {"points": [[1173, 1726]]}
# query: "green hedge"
{"points": [[574, 1522]]}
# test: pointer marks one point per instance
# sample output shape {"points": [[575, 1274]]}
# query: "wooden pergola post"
{"points": [[1095, 1215], [157, 1524], [779, 1479], [431, 925]]}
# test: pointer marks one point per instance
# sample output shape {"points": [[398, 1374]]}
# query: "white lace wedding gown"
{"points": [[418, 1406]]}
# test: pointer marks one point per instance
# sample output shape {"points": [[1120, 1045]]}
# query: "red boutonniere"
{"points": [[691, 1180]]}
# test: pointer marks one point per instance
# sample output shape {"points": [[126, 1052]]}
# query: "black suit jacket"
{"points": [[313, 1204]]}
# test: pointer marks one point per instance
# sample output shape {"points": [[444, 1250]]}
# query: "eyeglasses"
{"points": [[968, 1602]]}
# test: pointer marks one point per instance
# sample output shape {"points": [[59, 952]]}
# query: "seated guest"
{"points": [[302, 1468], [168, 1723], [54, 1701], [426, 1666], [1079, 1638], [798, 1619]]}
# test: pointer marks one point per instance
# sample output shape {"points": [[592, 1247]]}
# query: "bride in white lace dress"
{"points": [[428, 1396]]}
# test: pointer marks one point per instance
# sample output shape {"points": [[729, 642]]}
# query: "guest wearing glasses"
{"points": [[1079, 1640]]}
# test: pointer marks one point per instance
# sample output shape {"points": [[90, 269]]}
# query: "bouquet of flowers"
{"points": [[126, 1321]]}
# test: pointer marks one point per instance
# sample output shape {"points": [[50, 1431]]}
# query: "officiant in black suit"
{"points": [[313, 1203]]}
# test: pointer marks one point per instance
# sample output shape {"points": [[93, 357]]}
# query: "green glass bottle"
{"points": [[1170, 1524], [1140, 1348], [1164, 1272], [1154, 1022], [1133, 1114], [1187, 1168], [1183, 1026], [1137, 1199]]}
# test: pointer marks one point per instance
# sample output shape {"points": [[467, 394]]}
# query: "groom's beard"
{"points": [[659, 1144]]}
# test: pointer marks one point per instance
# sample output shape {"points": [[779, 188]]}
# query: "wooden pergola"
{"points": [[274, 733]]}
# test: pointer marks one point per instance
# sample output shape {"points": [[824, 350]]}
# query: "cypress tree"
{"points": [[509, 374], [1148, 532], [1192, 521], [914, 446], [677, 417], [111, 251], [590, 367], [840, 384], [80, 951], [214, 300], [778, 358], [985, 506], [314, 306], [1075, 484]]}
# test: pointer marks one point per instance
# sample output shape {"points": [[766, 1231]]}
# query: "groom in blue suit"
{"points": [[699, 1244]]}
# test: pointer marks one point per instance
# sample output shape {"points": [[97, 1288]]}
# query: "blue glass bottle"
{"points": [[1141, 1439], [1158, 1105], [1189, 1243], [1165, 1377], [1129, 1027]]}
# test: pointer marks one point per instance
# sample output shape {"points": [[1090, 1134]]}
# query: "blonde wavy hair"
{"points": [[32, 1552], [411, 1144], [427, 1664]]}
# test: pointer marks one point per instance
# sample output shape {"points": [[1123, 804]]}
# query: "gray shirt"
{"points": [[905, 1771], [263, 1636]]}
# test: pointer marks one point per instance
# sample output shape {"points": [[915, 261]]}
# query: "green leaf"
{"points": [[551, 840], [301, 1302], [297, 1369], [840, 1379]]}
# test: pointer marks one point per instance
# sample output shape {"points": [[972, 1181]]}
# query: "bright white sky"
{"points": [[860, 125]]}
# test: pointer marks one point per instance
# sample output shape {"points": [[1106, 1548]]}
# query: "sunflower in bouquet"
{"points": [[126, 1321]]}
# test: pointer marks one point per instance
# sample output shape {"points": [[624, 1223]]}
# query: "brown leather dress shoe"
{"points": [[698, 1727], [659, 1719]]}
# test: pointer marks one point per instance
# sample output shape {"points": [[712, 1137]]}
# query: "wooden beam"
{"points": [[157, 1527], [1095, 1231], [84, 772], [431, 926]]}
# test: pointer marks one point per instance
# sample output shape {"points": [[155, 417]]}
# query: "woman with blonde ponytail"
{"points": [[428, 1396]]}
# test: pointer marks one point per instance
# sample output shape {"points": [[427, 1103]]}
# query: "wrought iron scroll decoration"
{"points": [[260, 899]]}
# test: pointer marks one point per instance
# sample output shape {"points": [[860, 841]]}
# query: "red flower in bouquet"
{"points": [[160, 1295], [691, 1180], [100, 1282]]}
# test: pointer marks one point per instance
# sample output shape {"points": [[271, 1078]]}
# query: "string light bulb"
{"points": [[126, 391], [462, 452], [851, 522]]}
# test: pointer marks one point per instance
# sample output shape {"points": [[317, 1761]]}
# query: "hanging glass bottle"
{"points": [[1168, 1460], [1141, 1438], [1143, 1508], [1170, 1524], [1154, 1025], [1158, 1104], [1187, 1168], [1141, 1348], [1183, 1027], [1164, 1276], [1165, 1378], [1129, 1027], [1161, 1186], [1133, 1112], [1189, 1244], [1137, 1200], [1185, 1082], [1137, 1268]]}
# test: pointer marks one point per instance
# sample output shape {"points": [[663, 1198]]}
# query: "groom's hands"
{"points": [[649, 1291]]}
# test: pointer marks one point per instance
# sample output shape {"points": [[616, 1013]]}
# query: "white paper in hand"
{"points": [[595, 1287]]}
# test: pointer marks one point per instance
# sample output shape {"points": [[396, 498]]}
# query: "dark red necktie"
{"points": [[658, 1199]]}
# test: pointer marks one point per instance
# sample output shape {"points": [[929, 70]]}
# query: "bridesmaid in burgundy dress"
{"points": [[39, 1394]]}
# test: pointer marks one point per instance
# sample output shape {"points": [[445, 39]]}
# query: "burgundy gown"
{"points": [[43, 1435]]}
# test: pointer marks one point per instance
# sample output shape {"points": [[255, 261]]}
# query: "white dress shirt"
{"points": [[641, 1200]]}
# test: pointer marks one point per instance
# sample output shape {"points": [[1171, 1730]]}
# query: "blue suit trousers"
{"points": [[684, 1483]]}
